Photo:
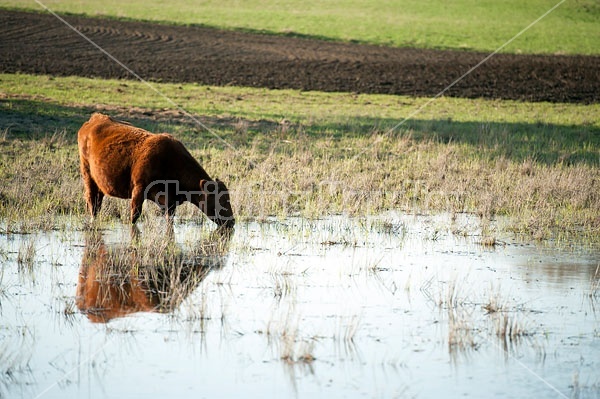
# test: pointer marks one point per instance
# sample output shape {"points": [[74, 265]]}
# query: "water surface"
{"points": [[394, 306]]}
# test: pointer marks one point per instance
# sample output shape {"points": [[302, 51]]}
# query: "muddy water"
{"points": [[395, 306]]}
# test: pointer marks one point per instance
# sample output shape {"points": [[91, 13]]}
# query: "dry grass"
{"points": [[507, 321], [42, 182], [509, 324], [320, 177], [26, 255], [461, 332], [510, 328], [297, 351], [293, 169], [293, 349]]}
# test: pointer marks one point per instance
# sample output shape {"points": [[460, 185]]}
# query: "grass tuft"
{"points": [[26, 255]]}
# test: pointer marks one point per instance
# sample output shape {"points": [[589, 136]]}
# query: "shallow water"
{"points": [[395, 306]]}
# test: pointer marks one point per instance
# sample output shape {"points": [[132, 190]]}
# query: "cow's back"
{"points": [[101, 134], [108, 149]]}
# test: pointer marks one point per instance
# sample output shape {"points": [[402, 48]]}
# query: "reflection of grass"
{"points": [[509, 327], [26, 255], [3, 286], [284, 333], [507, 324], [283, 284], [15, 354], [297, 351], [69, 309], [461, 329], [152, 274], [584, 389], [594, 293], [333, 157], [452, 297]]}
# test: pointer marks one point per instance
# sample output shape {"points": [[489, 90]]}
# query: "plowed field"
{"points": [[42, 44]]}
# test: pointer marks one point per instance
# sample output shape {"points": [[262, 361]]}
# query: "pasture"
{"points": [[385, 245], [535, 165]]}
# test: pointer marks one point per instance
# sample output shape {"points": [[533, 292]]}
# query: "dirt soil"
{"points": [[42, 44]]}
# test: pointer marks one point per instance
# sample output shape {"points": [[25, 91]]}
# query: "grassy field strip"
{"points": [[464, 24], [315, 154], [309, 108]]}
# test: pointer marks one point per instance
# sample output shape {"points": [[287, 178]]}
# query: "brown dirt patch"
{"points": [[41, 44]]}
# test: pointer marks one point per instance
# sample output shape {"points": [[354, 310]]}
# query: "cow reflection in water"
{"points": [[117, 280]]}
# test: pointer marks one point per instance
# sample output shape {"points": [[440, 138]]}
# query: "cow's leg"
{"points": [[137, 200], [93, 195], [97, 198]]}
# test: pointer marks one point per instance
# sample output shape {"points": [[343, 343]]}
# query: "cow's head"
{"points": [[216, 203]]}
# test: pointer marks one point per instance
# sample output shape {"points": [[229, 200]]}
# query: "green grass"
{"points": [[314, 154], [573, 28], [298, 107]]}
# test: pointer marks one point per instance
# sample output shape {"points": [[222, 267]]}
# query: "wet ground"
{"points": [[41, 44], [393, 306]]}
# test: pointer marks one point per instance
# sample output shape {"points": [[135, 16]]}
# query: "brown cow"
{"points": [[120, 160]]}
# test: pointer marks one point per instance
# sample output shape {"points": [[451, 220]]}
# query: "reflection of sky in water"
{"points": [[386, 309]]}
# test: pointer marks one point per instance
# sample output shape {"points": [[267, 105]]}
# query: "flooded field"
{"points": [[389, 306]]}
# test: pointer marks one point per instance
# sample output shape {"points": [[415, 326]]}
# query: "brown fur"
{"points": [[115, 282], [120, 160], [104, 294]]}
